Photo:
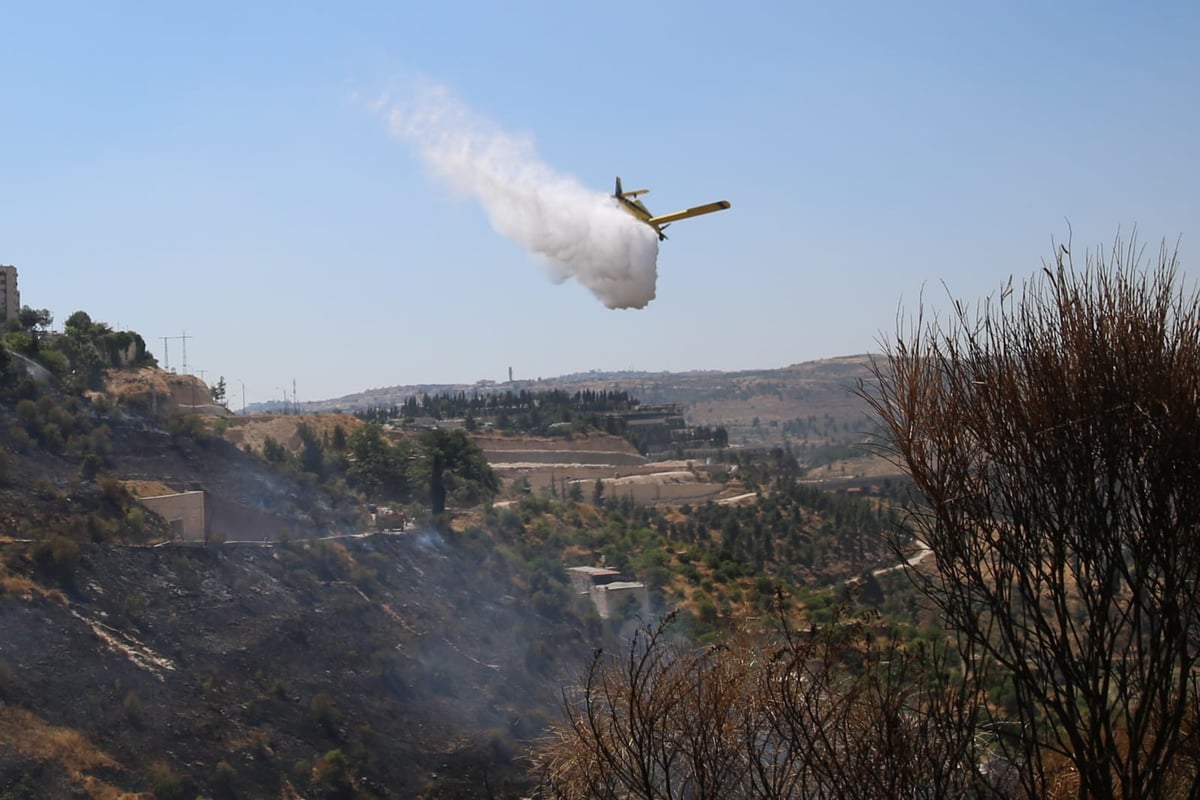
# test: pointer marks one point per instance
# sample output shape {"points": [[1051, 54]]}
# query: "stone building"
{"points": [[608, 598], [606, 590]]}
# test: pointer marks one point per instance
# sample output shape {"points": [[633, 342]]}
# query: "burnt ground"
{"points": [[386, 666]]}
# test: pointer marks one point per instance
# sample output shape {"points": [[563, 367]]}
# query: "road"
{"points": [[911, 561]]}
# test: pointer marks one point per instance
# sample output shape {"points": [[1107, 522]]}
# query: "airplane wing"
{"points": [[720, 205]]}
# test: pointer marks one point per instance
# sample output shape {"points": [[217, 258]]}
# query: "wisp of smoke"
{"points": [[579, 233]]}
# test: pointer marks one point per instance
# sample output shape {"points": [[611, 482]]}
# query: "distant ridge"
{"points": [[854, 365]]}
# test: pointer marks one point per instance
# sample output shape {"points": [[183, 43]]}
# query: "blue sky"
{"points": [[219, 168]]}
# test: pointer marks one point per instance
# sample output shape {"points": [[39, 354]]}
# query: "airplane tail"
{"points": [[617, 193]]}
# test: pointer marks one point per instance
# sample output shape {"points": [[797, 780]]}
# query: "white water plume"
{"points": [[578, 232]]}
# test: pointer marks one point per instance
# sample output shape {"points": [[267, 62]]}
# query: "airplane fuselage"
{"points": [[637, 209]]}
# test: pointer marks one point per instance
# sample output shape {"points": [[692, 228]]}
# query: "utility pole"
{"points": [[185, 337], [209, 399]]}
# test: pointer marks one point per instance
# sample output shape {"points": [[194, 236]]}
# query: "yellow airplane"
{"points": [[630, 203]]}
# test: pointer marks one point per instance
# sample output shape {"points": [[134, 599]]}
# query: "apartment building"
{"points": [[10, 298]]}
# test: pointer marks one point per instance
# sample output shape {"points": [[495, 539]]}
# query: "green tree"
{"points": [[79, 345], [218, 392], [312, 455], [80, 323], [731, 534], [273, 451], [457, 467], [376, 467], [35, 319]]}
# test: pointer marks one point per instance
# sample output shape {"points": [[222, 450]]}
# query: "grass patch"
{"points": [[29, 734]]}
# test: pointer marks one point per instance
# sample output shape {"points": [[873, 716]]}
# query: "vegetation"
{"points": [[1055, 441], [794, 531], [436, 466], [558, 413], [79, 355], [523, 410], [82, 504], [819, 713], [714, 563]]}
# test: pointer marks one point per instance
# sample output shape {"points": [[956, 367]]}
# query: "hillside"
{"points": [[385, 666], [64, 459], [366, 666]]}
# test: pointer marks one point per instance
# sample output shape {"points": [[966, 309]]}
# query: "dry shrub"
{"points": [[1054, 438]]}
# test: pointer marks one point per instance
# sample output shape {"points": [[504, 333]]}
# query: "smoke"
{"points": [[578, 233]]}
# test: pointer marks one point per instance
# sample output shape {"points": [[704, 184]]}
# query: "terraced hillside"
{"points": [[613, 461]]}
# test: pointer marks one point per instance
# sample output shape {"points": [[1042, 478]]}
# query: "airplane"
{"points": [[630, 203]]}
